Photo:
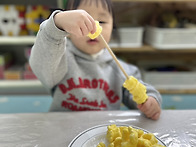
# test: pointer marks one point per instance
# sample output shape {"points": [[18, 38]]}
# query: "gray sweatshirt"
{"points": [[78, 81]]}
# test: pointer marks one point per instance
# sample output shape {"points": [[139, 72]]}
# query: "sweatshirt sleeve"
{"points": [[48, 54]]}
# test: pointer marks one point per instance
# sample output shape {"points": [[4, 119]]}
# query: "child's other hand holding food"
{"points": [[150, 108]]}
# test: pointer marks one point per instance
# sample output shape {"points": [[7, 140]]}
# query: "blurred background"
{"points": [[159, 36]]}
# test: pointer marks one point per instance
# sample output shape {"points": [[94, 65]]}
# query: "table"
{"points": [[176, 128]]}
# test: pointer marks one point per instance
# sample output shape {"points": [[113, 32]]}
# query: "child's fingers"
{"points": [[81, 30], [84, 29], [145, 106], [150, 110], [139, 106], [89, 27], [77, 32], [152, 113], [156, 116], [93, 25]]}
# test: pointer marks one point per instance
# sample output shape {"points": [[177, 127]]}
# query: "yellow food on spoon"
{"points": [[97, 33], [137, 89]]}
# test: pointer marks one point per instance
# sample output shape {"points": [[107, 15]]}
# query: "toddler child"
{"points": [[78, 71]]}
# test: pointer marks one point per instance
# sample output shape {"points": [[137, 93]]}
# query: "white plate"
{"points": [[93, 136]]}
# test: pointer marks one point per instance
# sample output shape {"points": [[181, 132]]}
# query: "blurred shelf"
{"points": [[33, 87], [177, 91], [145, 48], [154, 1], [21, 87], [19, 40], [148, 48], [29, 40]]}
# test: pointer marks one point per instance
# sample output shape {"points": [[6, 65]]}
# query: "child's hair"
{"points": [[107, 4]]}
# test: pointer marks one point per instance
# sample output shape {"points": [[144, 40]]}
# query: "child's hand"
{"points": [[76, 22], [150, 108]]}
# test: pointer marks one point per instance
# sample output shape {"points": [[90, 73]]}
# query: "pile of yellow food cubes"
{"points": [[127, 136]]}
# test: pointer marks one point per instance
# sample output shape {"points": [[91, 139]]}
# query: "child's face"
{"points": [[99, 13]]}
